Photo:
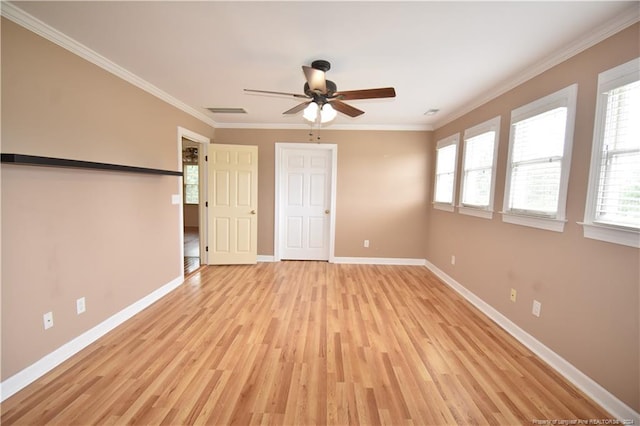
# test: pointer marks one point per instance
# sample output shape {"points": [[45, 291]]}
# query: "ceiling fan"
{"points": [[325, 99]]}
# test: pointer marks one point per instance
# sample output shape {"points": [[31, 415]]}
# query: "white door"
{"points": [[305, 189], [233, 203]]}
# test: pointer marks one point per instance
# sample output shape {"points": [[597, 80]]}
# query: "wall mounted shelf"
{"points": [[33, 160]]}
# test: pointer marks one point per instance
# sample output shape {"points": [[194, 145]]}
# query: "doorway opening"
{"points": [[191, 204], [192, 154]]}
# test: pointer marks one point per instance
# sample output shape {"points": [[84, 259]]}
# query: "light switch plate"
{"points": [[537, 306], [175, 199], [48, 320], [80, 306]]}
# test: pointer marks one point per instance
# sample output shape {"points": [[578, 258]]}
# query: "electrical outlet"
{"points": [[366, 243], [537, 306], [453, 260], [513, 294], [80, 305], [48, 320]]}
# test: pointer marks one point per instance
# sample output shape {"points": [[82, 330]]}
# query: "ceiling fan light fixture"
{"points": [[323, 113], [327, 113], [311, 112]]}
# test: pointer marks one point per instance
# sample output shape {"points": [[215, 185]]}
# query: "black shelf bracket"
{"points": [[33, 160]]}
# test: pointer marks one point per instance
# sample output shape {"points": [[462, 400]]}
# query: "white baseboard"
{"points": [[361, 260], [590, 387], [379, 261], [30, 374]]}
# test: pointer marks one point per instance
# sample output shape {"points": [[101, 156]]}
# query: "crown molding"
{"points": [[383, 127], [33, 24], [628, 17], [361, 127]]}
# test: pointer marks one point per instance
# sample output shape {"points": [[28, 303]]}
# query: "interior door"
{"points": [[305, 202], [233, 204]]}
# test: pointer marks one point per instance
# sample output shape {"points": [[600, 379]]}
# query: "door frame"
{"points": [[204, 142], [277, 231]]}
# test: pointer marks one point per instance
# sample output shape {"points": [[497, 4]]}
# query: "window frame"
{"points": [[565, 97], [492, 125], [443, 143], [185, 184], [618, 234]]}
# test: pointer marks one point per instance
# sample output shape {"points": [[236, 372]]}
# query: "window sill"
{"points": [[477, 212], [555, 225], [443, 206], [610, 234]]}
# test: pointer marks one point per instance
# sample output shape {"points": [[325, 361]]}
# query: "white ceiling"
{"points": [[446, 55]]}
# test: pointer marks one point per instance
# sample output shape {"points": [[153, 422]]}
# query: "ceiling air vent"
{"points": [[227, 110]]}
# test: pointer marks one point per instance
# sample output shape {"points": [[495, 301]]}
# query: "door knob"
{"points": [[253, 212], [326, 211]]}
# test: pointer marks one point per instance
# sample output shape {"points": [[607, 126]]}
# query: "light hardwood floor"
{"points": [[191, 242], [304, 343], [191, 249]]}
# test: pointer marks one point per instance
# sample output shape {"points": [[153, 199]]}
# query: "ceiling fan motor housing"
{"points": [[331, 89], [321, 64]]}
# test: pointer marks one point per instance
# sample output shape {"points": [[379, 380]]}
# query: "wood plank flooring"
{"points": [[191, 242], [303, 343], [191, 264], [191, 250]]}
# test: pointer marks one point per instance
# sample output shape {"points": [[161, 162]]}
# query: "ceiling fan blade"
{"points": [[297, 108], [347, 109], [350, 95], [269, 92], [316, 79]]}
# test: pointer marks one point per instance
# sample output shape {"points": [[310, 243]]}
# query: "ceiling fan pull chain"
{"points": [[310, 132]]}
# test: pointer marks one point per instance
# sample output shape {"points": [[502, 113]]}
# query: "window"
{"points": [[446, 156], [478, 169], [539, 159], [191, 184], [612, 212]]}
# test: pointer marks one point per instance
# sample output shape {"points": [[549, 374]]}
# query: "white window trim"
{"points": [[487, 126], [549, 224], [611, 234], [565, 97], [475, 211], [607, 80], [451, 140]]}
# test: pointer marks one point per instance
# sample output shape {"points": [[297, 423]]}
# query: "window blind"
{"points": [[619, 178], [478, 166], [536, 163], [445, 174]]}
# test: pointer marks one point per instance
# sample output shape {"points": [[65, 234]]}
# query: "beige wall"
{"points": [[589, 289], [383, 183], [191, 215], [110, 237]]}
